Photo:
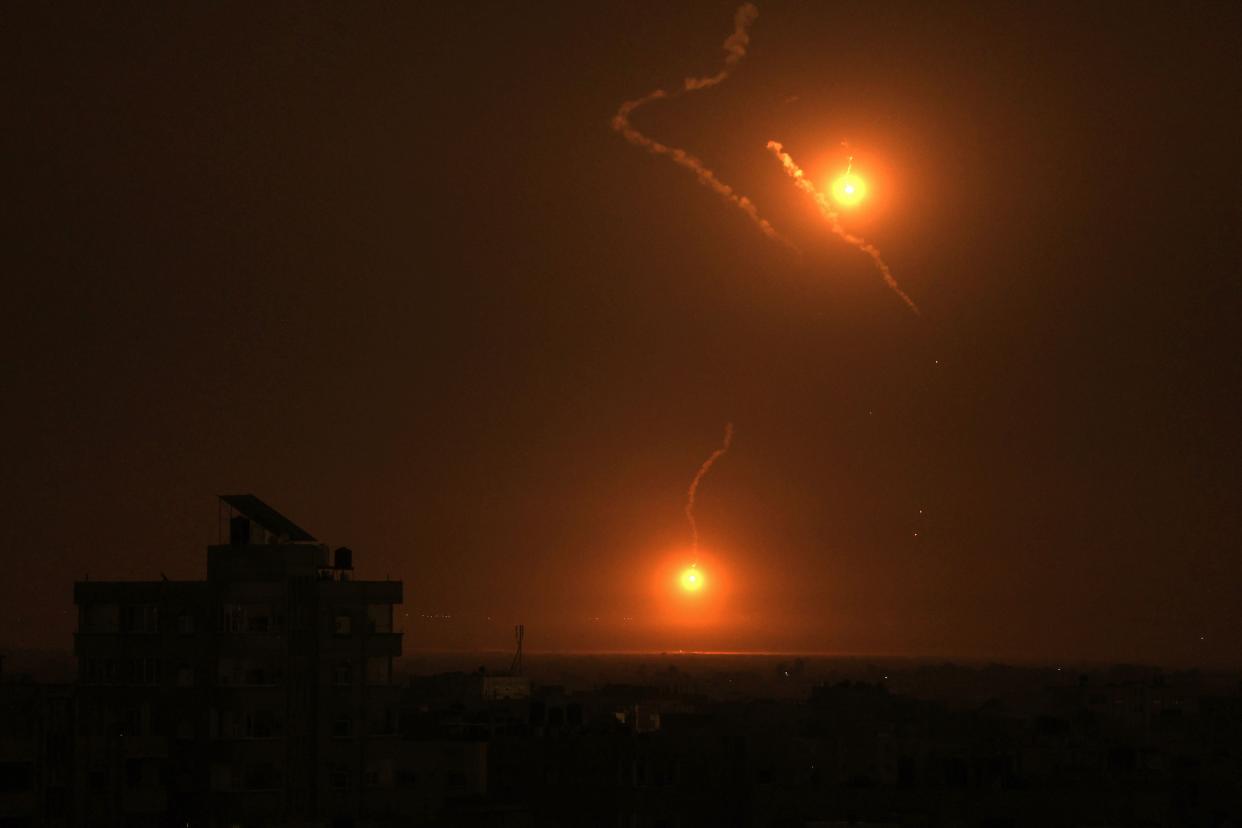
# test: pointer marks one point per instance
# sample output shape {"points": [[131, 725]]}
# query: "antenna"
{"points": [[515, 667]]}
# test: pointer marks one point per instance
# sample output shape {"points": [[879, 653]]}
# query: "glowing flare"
{"points": [[692, 580], [833, 218], [849, 190]]}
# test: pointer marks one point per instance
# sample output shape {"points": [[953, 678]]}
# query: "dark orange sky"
{"points": [[391, 270]]}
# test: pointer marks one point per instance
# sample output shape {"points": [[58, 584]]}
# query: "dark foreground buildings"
{"points": [[264, 696], [260, 696]]}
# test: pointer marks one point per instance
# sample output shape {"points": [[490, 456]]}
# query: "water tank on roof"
{"points": [[344, 558]]}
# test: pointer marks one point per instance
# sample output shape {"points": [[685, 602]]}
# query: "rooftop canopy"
{"points": [[267, 517]]}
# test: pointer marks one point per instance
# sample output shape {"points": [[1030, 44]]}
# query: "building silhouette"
{"points": [[264, 696], [36, 754], [261, 695]]}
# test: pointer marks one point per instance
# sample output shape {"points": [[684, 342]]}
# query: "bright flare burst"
{"points": [[833, 218], [692, 580], [849, 190]]}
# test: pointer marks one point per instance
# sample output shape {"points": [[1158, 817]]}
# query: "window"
{"points": [[16, 777], [381, 721], [140, 671], [343, 673], [378, 668], [233, 618], [263, 619], [262, 724], [226, 671], [261, 776], [185, 624], [57, 806], [92, 671], [221, 777], [242, 724], [140, 619], [248, 671], [455, 781], [342, 727], [252, 618], [379, 618], [130, 723], [146, 671], [299, 617], [139, 773], [185, 675], [100, 618], [259, 674], [341, 625], [379, 773], [338, 777]]}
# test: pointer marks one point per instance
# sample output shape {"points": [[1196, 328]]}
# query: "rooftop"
{"points": [[267, 517]]}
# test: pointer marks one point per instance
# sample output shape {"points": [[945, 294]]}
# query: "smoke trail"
{"points": [[735, 45], [698, 478], [834, 221]]}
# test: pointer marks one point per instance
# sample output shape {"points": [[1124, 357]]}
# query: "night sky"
{"points": [[389, 268]]}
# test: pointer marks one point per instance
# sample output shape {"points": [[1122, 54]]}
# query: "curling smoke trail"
{"points": [[834, 221], [698, 478], [735, 45]]}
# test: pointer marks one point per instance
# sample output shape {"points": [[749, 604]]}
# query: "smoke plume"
{"points": [[833, 218], [735, 47], [698, 478]]}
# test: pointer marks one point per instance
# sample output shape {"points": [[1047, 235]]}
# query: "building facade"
{"points": [[36, 754], [260, 696]]}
